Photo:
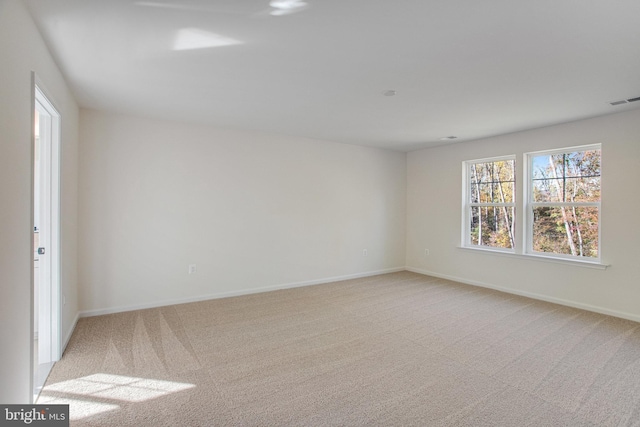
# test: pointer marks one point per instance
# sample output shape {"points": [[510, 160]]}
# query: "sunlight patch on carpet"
{"points": [[78, 408], [106, 387]]}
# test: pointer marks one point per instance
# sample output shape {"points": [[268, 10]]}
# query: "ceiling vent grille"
{"points": [[625, 101]]}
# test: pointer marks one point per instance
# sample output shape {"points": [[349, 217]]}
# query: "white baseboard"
{"points": [[111, 310], [569, 303], [69, 333]]}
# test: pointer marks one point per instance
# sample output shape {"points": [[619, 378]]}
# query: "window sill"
{"points": [[574, 262]]}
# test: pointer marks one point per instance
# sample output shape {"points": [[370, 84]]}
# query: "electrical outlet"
{"points": [[364, 252], [192, 268], [426, 252]]}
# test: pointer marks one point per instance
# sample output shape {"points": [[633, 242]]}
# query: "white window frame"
{"points": [[467, 205], [529, 205]]}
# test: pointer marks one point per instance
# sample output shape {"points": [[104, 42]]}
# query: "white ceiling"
{"points": [[467, 68]]}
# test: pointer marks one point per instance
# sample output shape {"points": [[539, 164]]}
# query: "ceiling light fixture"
{"points": [[389, 92]]}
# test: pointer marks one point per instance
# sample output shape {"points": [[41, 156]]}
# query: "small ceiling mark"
{"points": [[389, 92], [448, 138]]}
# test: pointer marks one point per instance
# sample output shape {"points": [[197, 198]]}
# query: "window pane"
{"points": [[492, 182], [506, 191], [566, 177], [487, 193], [474, 195], [546, 190], [492, 226], [583, 189], [566, 230], [569, 189]]}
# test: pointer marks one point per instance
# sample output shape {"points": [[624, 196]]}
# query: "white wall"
{"points": [[434, 186], [251, 210], [21, 52]]}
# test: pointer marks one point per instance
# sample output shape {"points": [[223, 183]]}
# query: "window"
{"points": [[563, 203], [489, 208], [560, 199]]}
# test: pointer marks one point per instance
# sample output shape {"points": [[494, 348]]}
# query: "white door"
{"points": [[46, 221]]}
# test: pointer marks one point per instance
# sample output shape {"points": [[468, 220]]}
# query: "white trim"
{"points": [[539, 256], [102, 311], [70, 333], [489, 249], [491, 159], [572, 148], [32, 324], [568, 303]]}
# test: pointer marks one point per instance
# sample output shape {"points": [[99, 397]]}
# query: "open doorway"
{"points": [[46, 239]]}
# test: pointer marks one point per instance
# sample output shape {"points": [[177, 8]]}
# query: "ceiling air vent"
{"points": [[625, 101]]}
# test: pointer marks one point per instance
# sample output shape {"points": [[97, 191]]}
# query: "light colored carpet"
{"points": [[396, 349]]}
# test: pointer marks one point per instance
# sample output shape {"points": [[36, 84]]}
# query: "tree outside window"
{"points": [[564, 202], [490, 203]]}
